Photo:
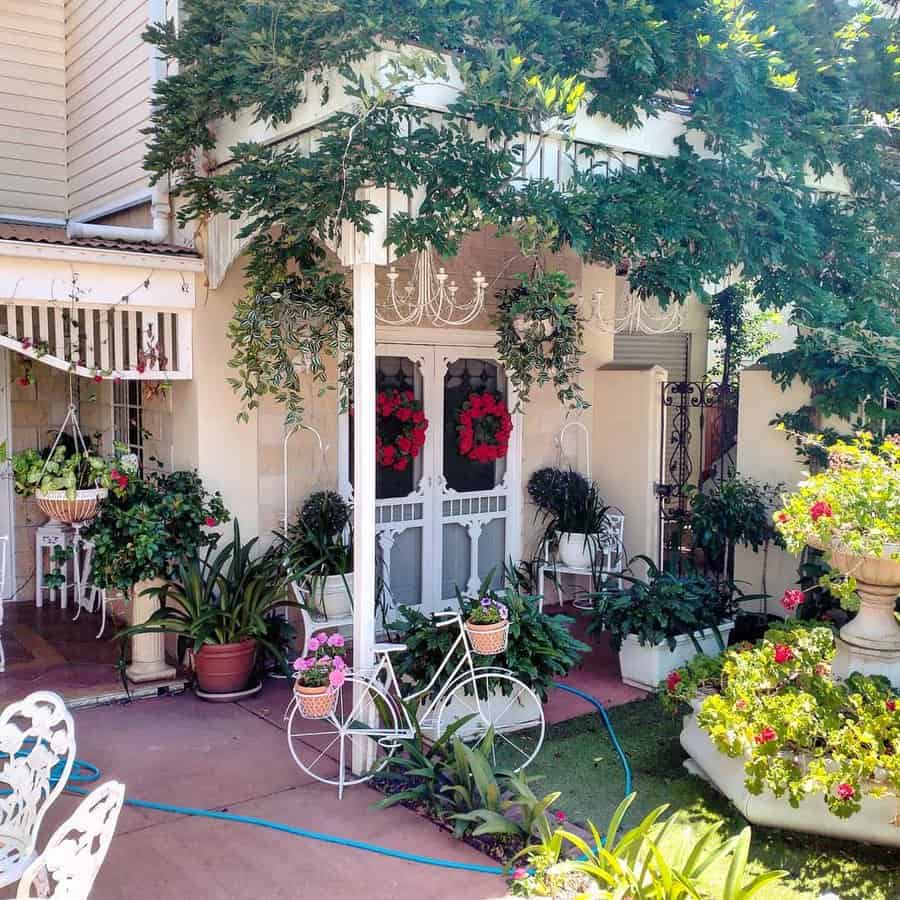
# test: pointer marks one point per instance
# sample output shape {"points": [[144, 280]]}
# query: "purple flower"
{"points": [[504, 612], [486, 601]]}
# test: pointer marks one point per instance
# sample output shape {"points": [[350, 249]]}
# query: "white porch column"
{"points": [[363, 252]]}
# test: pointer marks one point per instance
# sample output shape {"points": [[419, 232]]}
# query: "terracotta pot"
{"points": [[488, 639], [59, 506], [315, 702], [224, 668]]}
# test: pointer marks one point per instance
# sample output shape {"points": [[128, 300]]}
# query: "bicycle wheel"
{"points": [[323, 748], [501, 700]]}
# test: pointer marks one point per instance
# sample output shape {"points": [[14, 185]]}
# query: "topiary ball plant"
{"points": [[325, 512]]}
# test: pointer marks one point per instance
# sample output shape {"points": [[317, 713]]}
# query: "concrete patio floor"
{"points": [[234, 757]]}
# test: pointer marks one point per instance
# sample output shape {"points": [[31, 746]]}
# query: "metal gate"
{"points": [[698, 448]]}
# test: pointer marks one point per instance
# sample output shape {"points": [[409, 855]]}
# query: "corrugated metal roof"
{"points": [[49, 234]]}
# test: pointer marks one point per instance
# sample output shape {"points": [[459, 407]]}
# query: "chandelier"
{"points": [[631, 315], [430, 295]]}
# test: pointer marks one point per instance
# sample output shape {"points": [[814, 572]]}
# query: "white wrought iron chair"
{"points": [[68, 867], [37, 750]]}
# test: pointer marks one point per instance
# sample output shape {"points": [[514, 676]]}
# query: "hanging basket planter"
{"points": [[63, 507], [315, 702], [488, 640]]}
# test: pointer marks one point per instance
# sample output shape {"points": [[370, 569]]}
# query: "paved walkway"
{"points": [[234, 757]]}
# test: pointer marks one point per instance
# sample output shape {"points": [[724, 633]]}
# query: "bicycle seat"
{"points": [[388, 648]]}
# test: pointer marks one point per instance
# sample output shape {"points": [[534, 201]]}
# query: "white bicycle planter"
{"points": [[369, 720]]}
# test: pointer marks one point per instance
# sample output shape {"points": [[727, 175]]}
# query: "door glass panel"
{"points": [[406, 579], [402, 374], [464, 377], [457, 558], [492, 551]]}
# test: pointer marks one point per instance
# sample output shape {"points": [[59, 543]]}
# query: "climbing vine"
{"points": [[770, 91]]}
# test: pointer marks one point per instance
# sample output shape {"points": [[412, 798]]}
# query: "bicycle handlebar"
{"points": [[451, 619]]}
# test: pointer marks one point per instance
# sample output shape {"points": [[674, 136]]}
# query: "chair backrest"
{"points": [[37, 750], [68, 867]]}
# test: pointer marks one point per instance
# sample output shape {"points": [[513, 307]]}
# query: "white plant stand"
{"points": [[875, 823], [48, 537]]}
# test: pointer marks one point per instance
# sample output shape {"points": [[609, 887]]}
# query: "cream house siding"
{"points": [[108, 75], [32, 110]]}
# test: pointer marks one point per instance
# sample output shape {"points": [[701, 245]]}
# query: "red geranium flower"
{"points": [[792, 599], [783, 653], [891, 705], [211, 522], [782, 517], [818, 509], [766, 736], [845, 791], [673, 679]]}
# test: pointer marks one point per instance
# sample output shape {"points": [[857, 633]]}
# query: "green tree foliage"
{"points": [[773, 93]]}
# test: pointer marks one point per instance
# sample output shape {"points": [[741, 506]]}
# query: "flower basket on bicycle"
{"points": [[488, 627], [315, 702], [320, 676]]}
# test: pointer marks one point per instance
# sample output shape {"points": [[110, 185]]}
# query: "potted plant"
{"points": [[221, 604], [487, 625], [320, 675], [139, 536], [69, 484], [318, 550], [539, 335], [851, 511], [789, 743], [573, 514], [662, 620]]}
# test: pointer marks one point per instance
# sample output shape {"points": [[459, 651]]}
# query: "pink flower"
{"points": [[339, 664], [818, 509], [845, 791], [792, 599], [336, 677], [560, 816], [765, 736], [673, 679], [740, 703], [302, 665], [783, 654], [336, 640], [211, 522], [313, 644], [519, 873]]}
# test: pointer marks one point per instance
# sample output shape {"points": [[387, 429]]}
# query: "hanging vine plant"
{"points": [[483, 427], [539, 336]]}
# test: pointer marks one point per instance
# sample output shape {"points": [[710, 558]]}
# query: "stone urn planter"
{"points": [[644, 666], [870, 642], [148, 651]]}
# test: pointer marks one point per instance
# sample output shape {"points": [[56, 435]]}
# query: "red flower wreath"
{"points": [[483, 426], [401, 427]]}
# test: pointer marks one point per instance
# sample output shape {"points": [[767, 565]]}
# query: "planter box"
{"points": [[874, 823], [644, 667], [518, 713]]}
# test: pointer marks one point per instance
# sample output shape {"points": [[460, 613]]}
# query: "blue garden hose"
{"points": [[87, 773]]}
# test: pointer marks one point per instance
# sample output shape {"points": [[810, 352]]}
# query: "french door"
{"points": [[446, 522]]}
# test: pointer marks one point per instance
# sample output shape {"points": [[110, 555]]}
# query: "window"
{"points": [[128, 425]]}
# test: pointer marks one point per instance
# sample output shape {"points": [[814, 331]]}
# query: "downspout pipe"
{"points": [[160, 207]]}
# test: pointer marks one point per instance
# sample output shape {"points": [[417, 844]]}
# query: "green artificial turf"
{"points": [[578, 759]]}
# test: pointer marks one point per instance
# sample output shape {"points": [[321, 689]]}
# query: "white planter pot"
{"points": [[577, 550], [874, 823], [645, 666], [330, 596]]}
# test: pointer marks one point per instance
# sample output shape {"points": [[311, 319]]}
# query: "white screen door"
{"points": [[446, 522]]}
